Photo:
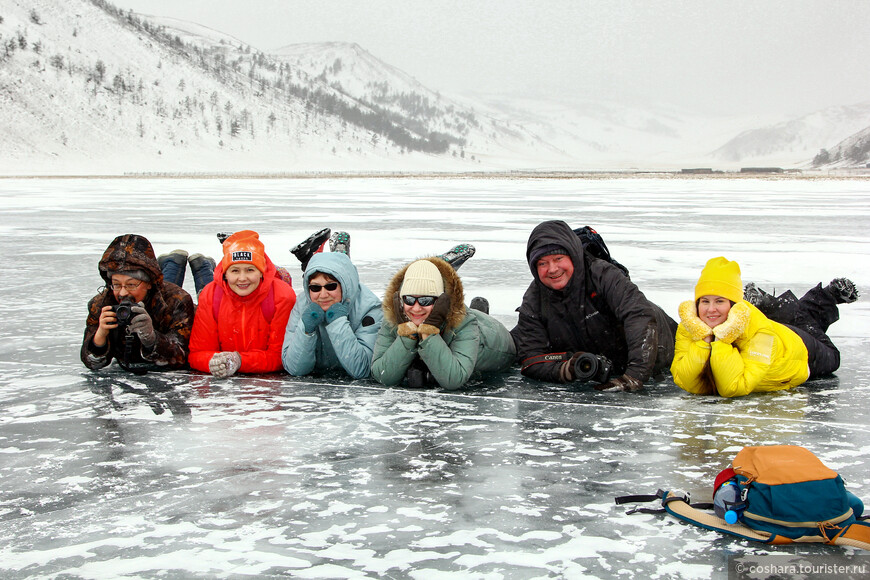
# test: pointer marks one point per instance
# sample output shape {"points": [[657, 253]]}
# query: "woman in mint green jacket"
{"points": [[429, 337]]}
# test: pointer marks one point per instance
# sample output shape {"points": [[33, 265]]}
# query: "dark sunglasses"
{"points": [[315, 288], [421, 300]]}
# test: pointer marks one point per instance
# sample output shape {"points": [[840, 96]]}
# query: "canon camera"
{"points": [[592, 367], [124, 313]]}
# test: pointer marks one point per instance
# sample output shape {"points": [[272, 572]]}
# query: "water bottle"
{"points": [[725, 499]]}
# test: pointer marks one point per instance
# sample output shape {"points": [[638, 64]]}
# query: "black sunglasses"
{"points": [[315, 288], [421, 300]]}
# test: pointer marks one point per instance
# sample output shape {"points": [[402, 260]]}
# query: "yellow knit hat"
{"points": [[720, 277]]}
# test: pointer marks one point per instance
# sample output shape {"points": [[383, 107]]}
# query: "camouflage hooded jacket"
{"points": [[170, 308]]}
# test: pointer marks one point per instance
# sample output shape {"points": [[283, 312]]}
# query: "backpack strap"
{"points": [[856, 535], [659, 495], [597, 299], [267, 305]]}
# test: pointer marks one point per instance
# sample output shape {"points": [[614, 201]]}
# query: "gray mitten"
{"points": [[225, 364], [142, 325]]}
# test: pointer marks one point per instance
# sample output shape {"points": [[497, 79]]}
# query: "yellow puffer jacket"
{"points": [[750, 353]]}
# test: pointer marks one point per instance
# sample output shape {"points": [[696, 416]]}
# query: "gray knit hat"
{"points": [[135, 274]]}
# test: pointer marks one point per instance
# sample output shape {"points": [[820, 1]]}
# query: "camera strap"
{"points": [[129, 340], [545, 358]]}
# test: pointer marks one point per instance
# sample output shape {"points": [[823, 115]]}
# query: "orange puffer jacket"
{"points": [[241, 324]]}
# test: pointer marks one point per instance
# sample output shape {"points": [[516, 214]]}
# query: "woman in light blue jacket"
{"points": [[335, 321]]}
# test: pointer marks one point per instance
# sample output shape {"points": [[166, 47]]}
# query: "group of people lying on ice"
{"points": [[581, 319]]}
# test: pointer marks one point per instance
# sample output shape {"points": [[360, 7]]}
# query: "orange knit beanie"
{"points": [[244, 247]]}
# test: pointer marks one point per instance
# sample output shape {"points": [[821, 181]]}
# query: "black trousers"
{"points": [[809, 318]]}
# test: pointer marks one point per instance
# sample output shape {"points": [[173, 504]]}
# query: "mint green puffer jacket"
{"points": [[470, 342]]}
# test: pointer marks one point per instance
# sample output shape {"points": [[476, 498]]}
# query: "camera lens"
{"points": [[124, 313], [586, 366]]}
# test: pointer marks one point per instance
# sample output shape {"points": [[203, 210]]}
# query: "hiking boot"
{"points": [[222, 236], [458, 255], [313, 244], [843, 290], [340, 242], [480, 303]]}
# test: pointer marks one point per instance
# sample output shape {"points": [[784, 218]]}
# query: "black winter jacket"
{"points": [[600, 311]]}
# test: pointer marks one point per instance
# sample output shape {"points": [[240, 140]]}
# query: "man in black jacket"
{"points": [[580, 304]]}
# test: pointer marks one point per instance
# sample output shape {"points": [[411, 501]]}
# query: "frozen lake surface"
{"points": [[179, 475]]}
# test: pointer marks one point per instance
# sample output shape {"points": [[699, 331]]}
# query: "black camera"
{"points": [[123, 312], [592, 367]]}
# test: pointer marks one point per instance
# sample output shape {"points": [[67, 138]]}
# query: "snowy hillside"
{"points": [[89, 89], [796, 141], [357, 74], [850, 152]]}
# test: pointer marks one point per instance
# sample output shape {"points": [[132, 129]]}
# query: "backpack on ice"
{"points": [[787, 495]]}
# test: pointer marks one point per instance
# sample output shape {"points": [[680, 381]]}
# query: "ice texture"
{"points": [[177, 474]]}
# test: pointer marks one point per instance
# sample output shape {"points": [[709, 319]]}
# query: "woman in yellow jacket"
{"points": [[726, 344]]}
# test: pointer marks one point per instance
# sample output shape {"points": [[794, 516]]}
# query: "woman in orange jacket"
{"points": [[732, 342], [241, 316]]}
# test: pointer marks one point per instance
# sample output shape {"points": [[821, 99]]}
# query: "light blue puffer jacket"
{"points": [[346, 343]]}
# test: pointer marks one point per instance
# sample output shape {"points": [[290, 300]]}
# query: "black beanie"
{"points": [[546, 250]]}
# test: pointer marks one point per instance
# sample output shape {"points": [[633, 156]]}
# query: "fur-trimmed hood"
{"points": [[452, 287]]}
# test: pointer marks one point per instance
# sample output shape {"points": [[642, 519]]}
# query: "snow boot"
{"points": [[340, 242], [173, 266], [458, 255], [310, 246], [480, 303], [202, 268], [843, 290]]}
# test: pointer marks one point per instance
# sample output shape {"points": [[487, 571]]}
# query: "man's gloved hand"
{"points": [[336, 311], [566, 369], [225, 364], [142, 325], [439, 312], [623, 383], [312, 317]]}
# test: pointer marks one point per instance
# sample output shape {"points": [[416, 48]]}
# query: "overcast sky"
{"points": [[788, 56]]}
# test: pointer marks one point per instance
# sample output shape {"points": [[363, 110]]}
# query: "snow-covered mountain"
{"points": [[88, 88], [796, 141]]}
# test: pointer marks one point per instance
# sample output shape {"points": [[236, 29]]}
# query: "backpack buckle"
{"points": [[685, 496]]}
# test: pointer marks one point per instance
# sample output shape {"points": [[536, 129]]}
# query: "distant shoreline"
{"points": [[857, 174]]}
